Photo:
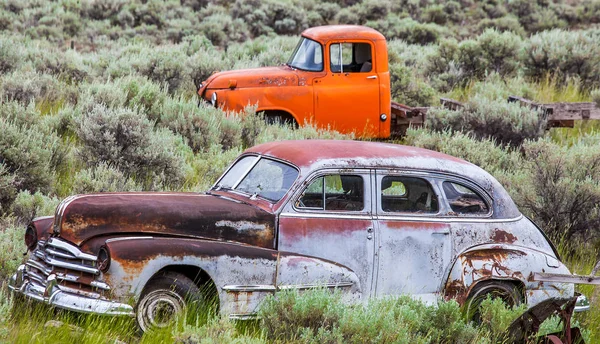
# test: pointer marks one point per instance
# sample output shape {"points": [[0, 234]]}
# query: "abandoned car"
{"points": [[370, 219]]}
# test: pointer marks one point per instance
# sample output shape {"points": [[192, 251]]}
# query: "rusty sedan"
{"points": [[370, 219]]}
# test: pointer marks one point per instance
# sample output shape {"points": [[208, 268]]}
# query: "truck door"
{"points": [[332, 220], [414, 250], [347, 97]]}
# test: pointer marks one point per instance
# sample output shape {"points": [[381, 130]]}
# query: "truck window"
{"points": [[308, 56], [350, 57]]}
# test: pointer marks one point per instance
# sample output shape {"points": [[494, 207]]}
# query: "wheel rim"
{"points": [[473, 310], [158, 309]]}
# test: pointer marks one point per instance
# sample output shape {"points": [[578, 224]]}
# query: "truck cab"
{"points": [[337, 77]]}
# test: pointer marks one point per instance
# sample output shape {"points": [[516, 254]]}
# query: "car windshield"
{"points": [[257, 176], [308, 56]]}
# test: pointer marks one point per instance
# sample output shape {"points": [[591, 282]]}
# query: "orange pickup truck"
{"points": [[337, 77]]}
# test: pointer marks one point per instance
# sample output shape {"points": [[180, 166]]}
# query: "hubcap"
{"points": [[158, 308]]}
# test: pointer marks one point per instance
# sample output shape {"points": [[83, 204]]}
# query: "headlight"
{"points": [[103, 261], [213, 99], [31, 237]]}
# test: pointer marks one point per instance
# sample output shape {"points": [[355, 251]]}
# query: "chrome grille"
{"points": [[75, 271]]}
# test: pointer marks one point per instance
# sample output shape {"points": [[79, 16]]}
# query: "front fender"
{"points": [[243, 274], [509, 263], [134, 261]]}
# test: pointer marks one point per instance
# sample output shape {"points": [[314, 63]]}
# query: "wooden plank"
{"points": [[451, 104]]}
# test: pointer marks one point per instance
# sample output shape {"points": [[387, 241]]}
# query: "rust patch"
{"points": [[501, 236], [180, 214], [456, 290]]}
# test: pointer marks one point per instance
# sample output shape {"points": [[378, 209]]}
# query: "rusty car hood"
{"points": [[82, 217], [255, 77]]}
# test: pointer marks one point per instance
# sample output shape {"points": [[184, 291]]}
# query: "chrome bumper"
{"points": [[582, 304], [54, 296]]}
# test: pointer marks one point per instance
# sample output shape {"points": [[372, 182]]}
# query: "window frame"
{"points": [[344, 72], [473, 187], [366, 176], [406, 174], [233, 189], [435, 179]]}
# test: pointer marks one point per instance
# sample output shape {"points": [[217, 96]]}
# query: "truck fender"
{"points": [[505, 262]]}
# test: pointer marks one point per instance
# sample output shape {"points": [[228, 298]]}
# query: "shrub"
{"points": [[9, 58], [102, 178], [507, 123], [216, 330], [455, 63], [26, 87], [408, 30], [166, 66], [221, 29], [595, 94], [12, 245], [203, 63], [484, 153], [408, 89], [124, 139], [503, 24], [347, 16], [8, 190], [563, 193], [29, 154], [28, 206], [200, 125], [564, 54], [288, 314]]}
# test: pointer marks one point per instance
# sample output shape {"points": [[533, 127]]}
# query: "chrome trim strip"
{"points": [[60, 254], [236, 316], [248, 288], [312, 286], [402, 218], [272, 288], [128, 238], [61, 264], [328, 216], [71, 249], [76, 279]]}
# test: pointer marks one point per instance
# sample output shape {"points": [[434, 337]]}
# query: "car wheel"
{"points": [[508, 292], [166, 297]]}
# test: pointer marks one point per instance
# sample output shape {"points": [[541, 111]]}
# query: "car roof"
{"points": [[310, 155], [326, 33]]}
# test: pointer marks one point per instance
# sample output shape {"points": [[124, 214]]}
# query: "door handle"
{"points": [[372, 77], [441, 233]]}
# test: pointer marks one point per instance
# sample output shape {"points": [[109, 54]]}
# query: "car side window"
{"points": [[350, 57], [407, 195], [464, 200], [334, 192]]}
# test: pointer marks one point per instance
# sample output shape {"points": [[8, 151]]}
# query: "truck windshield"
{"points": [[308, 55], [257, 176]]}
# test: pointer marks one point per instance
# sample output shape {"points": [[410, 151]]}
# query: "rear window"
{"points": [[464, 200]]}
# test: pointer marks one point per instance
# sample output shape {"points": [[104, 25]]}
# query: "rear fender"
{"points": [[507, 263]]}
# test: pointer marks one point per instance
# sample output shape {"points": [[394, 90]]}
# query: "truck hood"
{"points": [[82, 217], [256, 77]]}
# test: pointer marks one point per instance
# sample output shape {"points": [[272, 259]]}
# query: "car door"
{"points": [[347, 97], [331, 219], [413, 246]]}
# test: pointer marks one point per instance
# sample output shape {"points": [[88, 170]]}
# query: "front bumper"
{"points": [[54, 296]]}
